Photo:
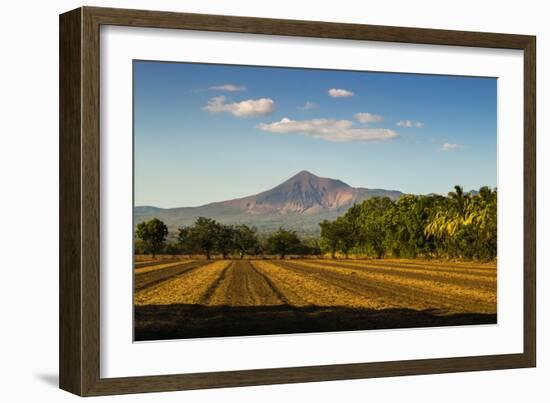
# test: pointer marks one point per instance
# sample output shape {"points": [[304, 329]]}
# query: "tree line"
{"points": [[209, 237], [459, 225]]}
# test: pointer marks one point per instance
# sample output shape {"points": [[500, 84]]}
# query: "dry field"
{"points": [[177, 299]]}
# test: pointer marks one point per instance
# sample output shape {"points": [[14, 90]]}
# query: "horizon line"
{"points": [[305, 171]]}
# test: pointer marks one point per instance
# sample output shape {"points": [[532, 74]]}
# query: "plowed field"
{"points": [[185, 299]]}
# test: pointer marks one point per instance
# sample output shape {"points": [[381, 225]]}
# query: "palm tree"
{"points": [[466, 223], [483, 211], [451, 214]]}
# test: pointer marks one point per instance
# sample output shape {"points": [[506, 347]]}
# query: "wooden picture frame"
{"points": [[79, 201]]}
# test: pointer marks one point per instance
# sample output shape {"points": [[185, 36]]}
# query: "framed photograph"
{"points": [[249, 201]]}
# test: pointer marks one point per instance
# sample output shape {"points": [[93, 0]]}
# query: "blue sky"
{"points": [[205, 133]]}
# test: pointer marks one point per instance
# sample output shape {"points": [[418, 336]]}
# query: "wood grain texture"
{"points": [[70, 275], [530, 203], [80, 200], [90, 202], [316, 29]]}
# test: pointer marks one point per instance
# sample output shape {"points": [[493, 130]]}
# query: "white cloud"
{"points": [[339, 131], [410, 123], [450, 146], [365, 117], [308, 105], [340, 93], [228, 87], [243, 109]]}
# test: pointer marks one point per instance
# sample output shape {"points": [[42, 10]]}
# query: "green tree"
{"points": [[184, 240], [451, 214], [329, 236], [282, 242], [339, 235], [460, 225], [202, 236], [483, 215], [153, 233], [404, 222], [465, 224], [246, 240], [372, 226], [225, 243]]}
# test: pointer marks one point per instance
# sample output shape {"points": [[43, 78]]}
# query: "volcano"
{"points": [[299, 203]]}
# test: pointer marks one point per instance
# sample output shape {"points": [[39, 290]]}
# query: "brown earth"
{"points": [[190, 299]]}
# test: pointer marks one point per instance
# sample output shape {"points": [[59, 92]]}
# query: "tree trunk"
{"points": [[333, 254], [242, 255], [207, 255]]}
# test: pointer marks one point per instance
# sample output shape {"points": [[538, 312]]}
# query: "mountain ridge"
{"points": [[299, 203]]}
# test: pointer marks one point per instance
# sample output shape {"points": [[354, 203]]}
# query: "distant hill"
{"points": [[300, 203]]}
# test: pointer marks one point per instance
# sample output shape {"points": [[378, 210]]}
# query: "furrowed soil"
{"points": [[177, 299]]}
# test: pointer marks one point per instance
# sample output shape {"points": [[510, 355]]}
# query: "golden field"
{"points": [[178, 298]]}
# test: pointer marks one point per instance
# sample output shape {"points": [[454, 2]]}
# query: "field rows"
{"points": [[449, 288]]}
